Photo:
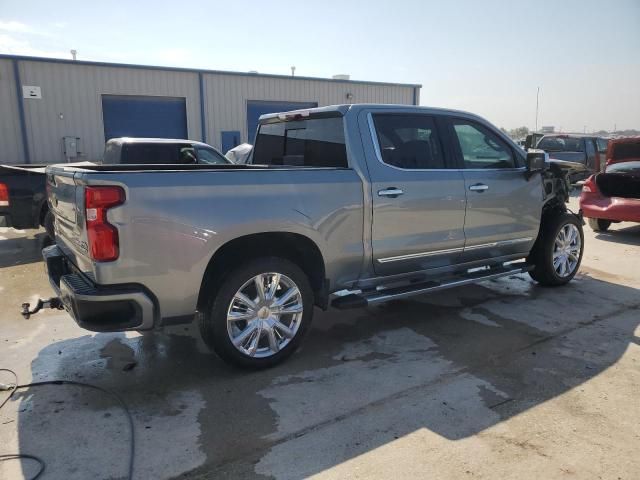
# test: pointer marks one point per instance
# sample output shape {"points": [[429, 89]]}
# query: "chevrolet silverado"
{"points": [[342, 206]]}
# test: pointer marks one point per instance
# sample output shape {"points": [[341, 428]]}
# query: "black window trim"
{"points": [[455, 145], [449, 160]]}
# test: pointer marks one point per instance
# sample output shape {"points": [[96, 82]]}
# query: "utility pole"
{"points": [[537, 103]]}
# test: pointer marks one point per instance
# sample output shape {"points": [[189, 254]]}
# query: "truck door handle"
{"points": [[391, 192], [479, 187]]}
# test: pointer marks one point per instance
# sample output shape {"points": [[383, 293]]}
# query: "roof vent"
{"points": [[341, 76]]}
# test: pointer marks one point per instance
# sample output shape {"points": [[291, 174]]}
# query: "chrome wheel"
{"points": [[264, 315], [566, 250]]}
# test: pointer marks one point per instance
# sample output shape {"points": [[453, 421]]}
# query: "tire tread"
{"points": [[541, 255]]}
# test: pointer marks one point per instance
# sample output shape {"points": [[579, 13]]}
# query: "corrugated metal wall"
{"points": [[226, 97], [74, 92], [71, 102], [10, 136]]}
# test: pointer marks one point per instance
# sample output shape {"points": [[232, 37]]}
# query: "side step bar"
{"points": [[358, 300]]}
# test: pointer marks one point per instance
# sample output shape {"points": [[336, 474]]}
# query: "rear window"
{"points": [[561, 144], [625, 151], [315, 142], [624, 167]]}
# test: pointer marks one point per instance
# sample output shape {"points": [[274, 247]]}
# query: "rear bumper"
{"points": [[94, 307], [611, 208]]}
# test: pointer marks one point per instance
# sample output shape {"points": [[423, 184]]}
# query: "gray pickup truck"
{"points": [[341, 206]]}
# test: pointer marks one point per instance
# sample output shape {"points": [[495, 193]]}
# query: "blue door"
{"points": [[255, 108], [230, 139], [138, 116]]}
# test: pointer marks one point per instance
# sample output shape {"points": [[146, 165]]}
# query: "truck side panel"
{"points": [[170, 230]]}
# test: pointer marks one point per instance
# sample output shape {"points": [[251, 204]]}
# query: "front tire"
{"points": [[599, 224], [259, 313], [557, 253]]}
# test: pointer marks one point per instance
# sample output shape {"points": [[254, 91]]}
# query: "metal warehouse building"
{"points": [[63, 110]]}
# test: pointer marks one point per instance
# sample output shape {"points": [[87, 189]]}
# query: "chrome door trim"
{"points": [[410, 256], [501, 243], [420, 255]]}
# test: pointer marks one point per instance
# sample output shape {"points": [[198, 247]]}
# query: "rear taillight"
{"points": [[4, 195], [103, 237]]}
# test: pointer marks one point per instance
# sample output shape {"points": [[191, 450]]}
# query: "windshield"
{"points": [[624, 167], [561, 144], [211, 157]]}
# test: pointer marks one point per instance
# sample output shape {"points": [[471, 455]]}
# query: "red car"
{"points": [[614, 195]]}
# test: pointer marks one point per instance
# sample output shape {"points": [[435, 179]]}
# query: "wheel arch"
{"points": [[295, 247]]}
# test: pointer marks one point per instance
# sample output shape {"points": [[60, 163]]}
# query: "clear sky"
{"points": [[485, 56]]}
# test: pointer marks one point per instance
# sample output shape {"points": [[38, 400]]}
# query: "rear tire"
{"points": [[268, 326], [598, 224], [557, 253]]}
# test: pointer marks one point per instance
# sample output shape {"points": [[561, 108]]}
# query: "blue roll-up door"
{"points": [[255, 108], [230, 139], [140, 116]]}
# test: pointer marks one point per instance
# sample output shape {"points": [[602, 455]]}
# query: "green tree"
{"points": [[519, 132]]}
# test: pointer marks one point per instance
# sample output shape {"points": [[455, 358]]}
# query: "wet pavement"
{"points": [[504, 379]]}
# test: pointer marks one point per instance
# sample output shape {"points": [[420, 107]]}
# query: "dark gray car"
{"points": [[152, 151]]}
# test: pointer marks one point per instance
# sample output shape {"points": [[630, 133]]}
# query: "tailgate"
{"points": [[66, 201]]}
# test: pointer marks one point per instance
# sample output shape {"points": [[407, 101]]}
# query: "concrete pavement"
{"points": [[504, 379]]}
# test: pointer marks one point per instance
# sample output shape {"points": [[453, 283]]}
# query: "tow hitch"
{"points": [[53, 302]]}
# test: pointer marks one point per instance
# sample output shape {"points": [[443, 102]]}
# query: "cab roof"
{"points": [[341, 110], [131, 140]]}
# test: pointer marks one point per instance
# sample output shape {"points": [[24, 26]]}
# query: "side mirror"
{"points": [[537, 161]]}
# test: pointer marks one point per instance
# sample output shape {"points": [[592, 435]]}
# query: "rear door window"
{"points": [[187, 156], [409, 141], [315, 142], [148, 153]]}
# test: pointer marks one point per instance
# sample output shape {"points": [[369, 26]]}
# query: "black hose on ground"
{"points": [[12, 388]]}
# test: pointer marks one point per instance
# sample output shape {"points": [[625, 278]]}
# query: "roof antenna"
{"points": [[73, 54], [293, 71]]}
